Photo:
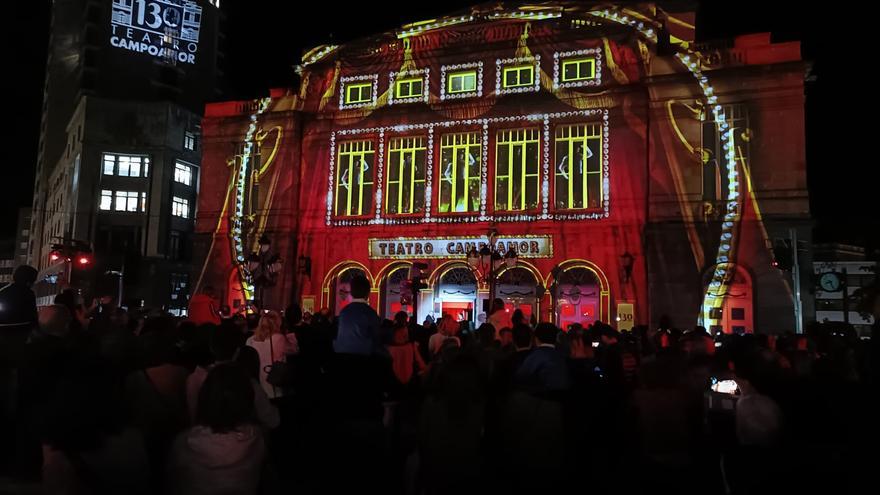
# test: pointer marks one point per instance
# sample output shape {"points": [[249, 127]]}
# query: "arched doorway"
{"points": [[518, 288], [389, 290], [337, 285], [579, 291], [456, 293], [736, 313]]}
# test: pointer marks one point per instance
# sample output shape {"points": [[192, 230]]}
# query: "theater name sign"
{"points": [[456, 247]]}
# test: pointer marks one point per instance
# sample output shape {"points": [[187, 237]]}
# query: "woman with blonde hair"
{"points": [[272, 346]]}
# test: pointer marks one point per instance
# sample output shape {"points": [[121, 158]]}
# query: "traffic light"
{"points": [[417, 274], [782, 255], [76, 252]]}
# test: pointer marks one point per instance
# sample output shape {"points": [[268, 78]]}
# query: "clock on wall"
{"points": [[830, 282]]}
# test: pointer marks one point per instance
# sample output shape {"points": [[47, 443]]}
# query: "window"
{"points": [[518, 76], [578, 167], [180, 207], [579, 69], [126, 165], [174, 245], [516, 169], [128, 200], [354, 178], [106, 200], [459, 173], [358, 93], [182, 173], [462, 82], [737, 313], [109, 164], [189, 141], [715, 180], [406, 175], [410, 87]]}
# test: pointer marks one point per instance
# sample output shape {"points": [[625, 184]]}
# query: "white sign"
{"points": [[166, 29], [458, 247]]}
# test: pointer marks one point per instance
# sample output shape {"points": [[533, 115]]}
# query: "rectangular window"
{"points": [[174, 245], [189, 141], [180, 207], [715, 175], [410, 88], [520, 75], [128, 201], [516, 169], [462, 82], [182, 173], [737, 313], [578, 167], [126, 165], [579, 69], [406, 175], [358, 93], [109, 164], [354, 178], [459, 173], [106, 200]]}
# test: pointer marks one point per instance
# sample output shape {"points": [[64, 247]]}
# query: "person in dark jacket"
{"points": [[18, 315], [359, 325], [18, 306], [544, 369]]}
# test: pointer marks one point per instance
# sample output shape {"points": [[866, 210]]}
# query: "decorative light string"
{"points": [[237, 230]]}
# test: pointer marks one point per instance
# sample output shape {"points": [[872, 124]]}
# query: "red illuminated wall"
{"points": [[655, 213]]}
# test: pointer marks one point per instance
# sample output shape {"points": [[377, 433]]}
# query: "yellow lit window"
{"points": [[521, 75], [579, 69], [358, 93], [462, 82], [459, 173], [410, 88], [406, 175], [578, 167], [516, 169], [354, 178]]}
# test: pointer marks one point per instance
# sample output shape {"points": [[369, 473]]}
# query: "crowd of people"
{"points": [[97, 399]]}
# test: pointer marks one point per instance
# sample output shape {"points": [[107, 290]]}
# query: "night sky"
{"points": [[266, 38]]}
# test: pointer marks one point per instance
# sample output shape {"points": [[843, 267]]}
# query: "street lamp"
{"points": [[489, 259]]}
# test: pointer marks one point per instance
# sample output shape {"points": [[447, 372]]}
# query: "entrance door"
{"points": [[577, 298], [517, 287], [391, 293], [456, 294]]}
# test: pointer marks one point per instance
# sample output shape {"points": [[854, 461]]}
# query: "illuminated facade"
{"points": [[630, 183]]}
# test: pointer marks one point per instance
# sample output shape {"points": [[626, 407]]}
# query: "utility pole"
{"points": [[796, 280]]}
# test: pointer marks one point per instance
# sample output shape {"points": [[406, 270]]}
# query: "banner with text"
{"points": [[458, 247]]}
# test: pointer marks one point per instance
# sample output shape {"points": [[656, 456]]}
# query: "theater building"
{"points": [[631, 171]]}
